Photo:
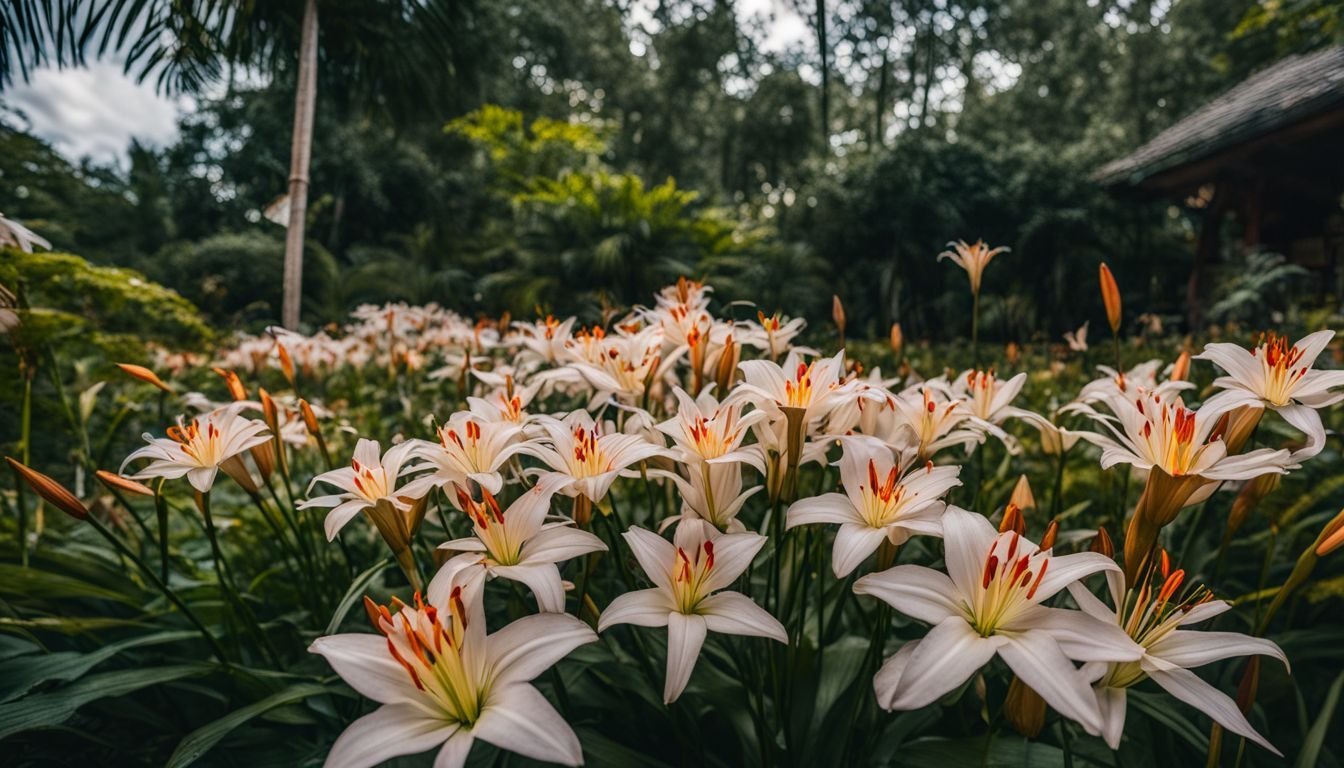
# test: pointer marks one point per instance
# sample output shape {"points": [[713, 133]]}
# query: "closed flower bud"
{"points": [[310, 418], [1012, 520], [897, 339], [838, 314], [1022, 495], [286, 363], [235, 385], [1110, 296], [119, 483], [144, 374], [1024, 709], [1102, 543], [1180, 370], [51, 491], [1048, 538]]}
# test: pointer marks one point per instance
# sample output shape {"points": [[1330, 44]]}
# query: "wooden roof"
{"points": [[1299, 94]]}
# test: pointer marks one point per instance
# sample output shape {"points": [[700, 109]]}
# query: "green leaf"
{"points": [[39, 583], [355, 592], [1311, 746], [201, 740], [18, 676], [1159, 707], [43, 710]]}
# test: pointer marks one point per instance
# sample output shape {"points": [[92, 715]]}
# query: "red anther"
{"points": [[872, 476], [1012, 545], [1165, 564], [1035, 585], [991, 568], [709, 555]]}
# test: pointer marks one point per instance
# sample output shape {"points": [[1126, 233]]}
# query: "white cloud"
{"points": [[95, 111]]}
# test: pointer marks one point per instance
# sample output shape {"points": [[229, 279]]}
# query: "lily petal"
{"points": [[518, 718], [733, 613], [685, 637]]}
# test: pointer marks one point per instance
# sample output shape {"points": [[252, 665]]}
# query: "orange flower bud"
{"points": [[838, 314], [1024, 709], [1332, 537], [269, 410], [897, 339], [728, 360], [1012, 353], [1110, 296], [1012, 520], [144, 374], [286, 364], [119, 483], [1180, 370], [1048, 538], [1102, 543], [235, 385], [53, 492], [310, 418]]}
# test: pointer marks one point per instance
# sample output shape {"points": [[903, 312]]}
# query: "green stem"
{"points": [[163, 587], [25, 435], [975, 329]]}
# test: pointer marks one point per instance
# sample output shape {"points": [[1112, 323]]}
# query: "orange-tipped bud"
{"points": [[1110, 296], [374, 611], [1012, 353], [1051, 531], [897, 339], [1012, 520], [1180, 370], [144, 374], [119, 483], [51, 491], [838, 314], [309, 418], [1024, 709], [1332, 537], [286, 363], [269, 410], [235, 385], [1022, 496], [1102, 543], [728, 360]]}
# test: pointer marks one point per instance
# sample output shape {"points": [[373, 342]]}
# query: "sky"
{"points": [[94, 112]]}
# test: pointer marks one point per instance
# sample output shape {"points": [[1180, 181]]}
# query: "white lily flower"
{"points": [[371, 477], [988, 604], [545, 340], [470, 448], [972, 257], [711, 492], [1077, 340], [706, 430], [814, 387], [933, 421], [687, 576], [875, 505], [442, 680], [1282, 378], [1155, 622], [1142, 377], [196, 450], [591, 458], [519, 545], [1151, 431], [773, 335]]}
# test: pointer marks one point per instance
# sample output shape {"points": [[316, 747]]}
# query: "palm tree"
{"points": [[394, 55]]}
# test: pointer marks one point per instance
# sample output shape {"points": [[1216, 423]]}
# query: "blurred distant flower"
{"points": [[14, 234], [972, 258], [1077, 340]]}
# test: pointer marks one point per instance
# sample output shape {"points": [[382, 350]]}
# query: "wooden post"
{"points": [[305, 97]]}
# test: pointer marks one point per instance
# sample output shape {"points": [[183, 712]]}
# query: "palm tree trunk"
{"points": [[304, 99]]}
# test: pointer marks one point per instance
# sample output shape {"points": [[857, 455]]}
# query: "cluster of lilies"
{"points": [[563, 430]]}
